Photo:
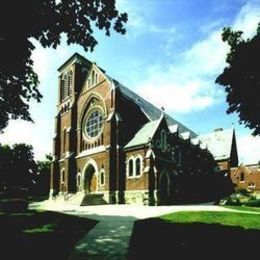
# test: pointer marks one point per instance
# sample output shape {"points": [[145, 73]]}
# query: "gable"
{"points": [[219, 143], [154, 133], [94, 78]]}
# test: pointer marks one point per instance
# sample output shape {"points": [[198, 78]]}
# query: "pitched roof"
{"points": [[151, 111], [144, 134], [76, 57], [219, 143]]}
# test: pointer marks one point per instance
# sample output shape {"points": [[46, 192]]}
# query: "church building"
{"points": [[113, 146]]}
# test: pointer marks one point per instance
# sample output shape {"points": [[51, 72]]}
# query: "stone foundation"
{"points": [[139, 197]]}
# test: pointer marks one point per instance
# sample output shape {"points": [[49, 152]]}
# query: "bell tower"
{"points": [[72, 75]]}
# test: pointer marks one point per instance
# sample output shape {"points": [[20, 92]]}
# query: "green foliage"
{"points": [[241, 78], [253, 203], [17, 168], [45, 21], [42, 178], [233, 201]]}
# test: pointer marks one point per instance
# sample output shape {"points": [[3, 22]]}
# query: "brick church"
{"points": [[113, 146]]}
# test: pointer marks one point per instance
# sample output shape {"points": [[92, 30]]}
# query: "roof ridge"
{"points": [[156, 110]]}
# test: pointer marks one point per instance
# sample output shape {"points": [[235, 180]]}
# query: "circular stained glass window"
{"points": [[94, 123]]}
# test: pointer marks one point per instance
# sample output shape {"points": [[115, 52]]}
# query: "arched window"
{"points": [[138, 166], [163, 140], [102, 178], [78, 181], [242, 176], [130, 168]]}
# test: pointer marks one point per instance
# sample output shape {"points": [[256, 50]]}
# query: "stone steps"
{"points": [[93, 199]]}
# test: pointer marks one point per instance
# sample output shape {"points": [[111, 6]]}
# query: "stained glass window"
{"points": [[94, 123]]}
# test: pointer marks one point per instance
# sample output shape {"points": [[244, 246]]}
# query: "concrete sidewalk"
{"points": [[109, 239]]}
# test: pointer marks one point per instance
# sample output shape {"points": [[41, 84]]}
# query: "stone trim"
{"points": [[91, 151]]}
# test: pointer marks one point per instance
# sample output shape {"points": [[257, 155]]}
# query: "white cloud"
{"points": [[248, 149], [19, 131], [248, 18], [187, 84], [177, 95]]}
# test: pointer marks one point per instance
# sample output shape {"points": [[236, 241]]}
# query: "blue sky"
{"points": [[171, 55]]}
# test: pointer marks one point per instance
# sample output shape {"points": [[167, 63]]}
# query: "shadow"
{"points": [[109, 239], [41, 235], [156, 239]]}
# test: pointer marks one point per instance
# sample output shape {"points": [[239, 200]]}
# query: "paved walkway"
{"points": [[110, 237]]}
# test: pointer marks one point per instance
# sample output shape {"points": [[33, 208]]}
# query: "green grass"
{"points": [[245, 220], [243, 208], [41, 229], [28, 232]]}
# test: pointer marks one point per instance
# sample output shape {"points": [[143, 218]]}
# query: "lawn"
{"points": [[244, 208], [41, 234], [244, 220], [195, 235]]}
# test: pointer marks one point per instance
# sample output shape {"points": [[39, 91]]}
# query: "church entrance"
{"points": [[164, 189], [90, 180]]}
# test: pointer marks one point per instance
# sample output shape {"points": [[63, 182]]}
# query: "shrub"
{"points": [[253, 203], [14, 205], [233, 201]]}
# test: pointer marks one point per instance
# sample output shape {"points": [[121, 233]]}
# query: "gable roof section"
{"points": [[151, 111], [219, 143], [75, 58], [145, 134]]}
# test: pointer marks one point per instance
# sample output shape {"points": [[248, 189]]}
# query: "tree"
{"points": [[42, 179], [45, 21], [18, 167], [241, 78]]}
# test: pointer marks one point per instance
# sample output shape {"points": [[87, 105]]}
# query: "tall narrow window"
{"points": [[102, 178], [93, 77], [62, 176], [65, 86], [70, 83], [64, 140], [112, 98], [96, 78], [163, 140], [62, 94], [130, 168], [79, 181], [138, 167], [242, 176]]}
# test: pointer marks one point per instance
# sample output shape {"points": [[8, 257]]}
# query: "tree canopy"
{"points": [[17, 166], [45, 21], [241, 78]]}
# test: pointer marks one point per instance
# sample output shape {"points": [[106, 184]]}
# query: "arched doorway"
{"points": [[164, 189], [90, 179]]}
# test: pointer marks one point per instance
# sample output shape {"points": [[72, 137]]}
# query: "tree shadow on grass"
{"points": [[156, 239], [41, 235]]}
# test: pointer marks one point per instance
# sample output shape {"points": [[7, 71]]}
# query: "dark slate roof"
{"points": [[145, 134], [151, 111]]}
